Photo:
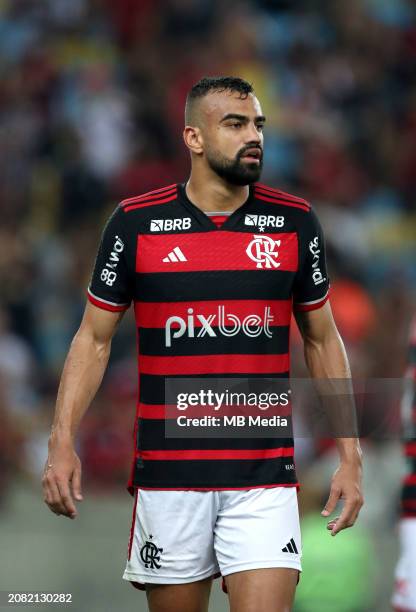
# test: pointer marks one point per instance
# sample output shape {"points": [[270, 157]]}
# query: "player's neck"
{"points": [[215, 195]]}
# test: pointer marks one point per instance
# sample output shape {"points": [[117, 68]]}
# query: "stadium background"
{"points": [[91, 107]]}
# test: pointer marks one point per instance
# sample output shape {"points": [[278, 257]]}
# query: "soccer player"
{"points": [[404, 595], [214, 267]]}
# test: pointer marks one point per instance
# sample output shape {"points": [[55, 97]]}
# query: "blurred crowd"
{"points": [[91, 111]]}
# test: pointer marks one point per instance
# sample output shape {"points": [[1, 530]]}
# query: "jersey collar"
{"points": [[204, 219]]}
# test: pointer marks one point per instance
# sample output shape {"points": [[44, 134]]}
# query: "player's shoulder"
{"points": [[154, 198], [272, 195]]}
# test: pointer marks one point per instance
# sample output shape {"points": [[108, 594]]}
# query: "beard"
{"points": [[235, 171]]}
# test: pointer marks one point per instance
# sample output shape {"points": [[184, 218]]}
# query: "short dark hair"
{"points": [[207, 85]]}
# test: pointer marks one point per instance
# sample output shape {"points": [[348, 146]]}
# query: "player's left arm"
{"points": [[326, 358]]}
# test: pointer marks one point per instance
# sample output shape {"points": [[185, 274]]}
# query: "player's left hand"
{"points": [[345, 485]]}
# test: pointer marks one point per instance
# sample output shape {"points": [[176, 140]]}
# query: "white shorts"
{"points": [[404, 595], [185, 536]]}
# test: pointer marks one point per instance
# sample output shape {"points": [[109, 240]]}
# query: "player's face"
{"points": [[233, 137]]}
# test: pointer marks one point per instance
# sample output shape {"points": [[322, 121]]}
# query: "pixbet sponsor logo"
{"points": [[168, 225], [262, 221], [226, 324], [316, 272], [108, 273]]}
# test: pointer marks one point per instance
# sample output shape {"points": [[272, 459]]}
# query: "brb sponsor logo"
{"points": [[262, 221], [226, 324], [108, 273], [262, 250], [168, 225], [316, 272]]}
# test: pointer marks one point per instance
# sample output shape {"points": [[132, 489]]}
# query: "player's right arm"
{"points": [[81, 377], [109, 295]]}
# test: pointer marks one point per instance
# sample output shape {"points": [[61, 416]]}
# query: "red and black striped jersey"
{"points": [[240, 280], [408, 497]]}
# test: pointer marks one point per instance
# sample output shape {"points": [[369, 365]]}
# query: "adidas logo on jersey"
{"points": [[262, 221], [174, 256], [168, 225]]}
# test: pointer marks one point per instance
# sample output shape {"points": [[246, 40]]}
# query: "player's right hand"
{"points": [[62, 479]]}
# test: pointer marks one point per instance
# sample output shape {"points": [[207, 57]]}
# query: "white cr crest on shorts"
{"points": [[262, 250]]}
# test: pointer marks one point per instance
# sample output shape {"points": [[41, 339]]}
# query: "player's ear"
{"points": [[193, 139]]}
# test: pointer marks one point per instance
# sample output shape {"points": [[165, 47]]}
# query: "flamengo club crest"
{"points": [[262, 250], [149, 554]]}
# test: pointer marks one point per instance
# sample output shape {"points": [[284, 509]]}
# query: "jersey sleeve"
{"points": [[311, 285], [110, 285]]}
